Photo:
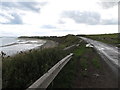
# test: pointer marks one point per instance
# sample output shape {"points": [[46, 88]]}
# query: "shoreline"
{"points": [[46, 44], [49, 44]]}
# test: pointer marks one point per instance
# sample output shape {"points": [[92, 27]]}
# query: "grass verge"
{"points": [[82, 61]]}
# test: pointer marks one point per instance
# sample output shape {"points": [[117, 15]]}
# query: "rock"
{"points": [[89, 45]]}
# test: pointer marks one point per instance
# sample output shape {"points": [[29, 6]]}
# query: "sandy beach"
{"points": [[27, 45], [49, 44]]}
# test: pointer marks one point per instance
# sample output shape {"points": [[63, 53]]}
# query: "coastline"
{"points": [[49, 44], [46, 44]]}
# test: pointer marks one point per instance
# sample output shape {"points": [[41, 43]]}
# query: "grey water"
{"points": [[7, 40], [13, 45]]}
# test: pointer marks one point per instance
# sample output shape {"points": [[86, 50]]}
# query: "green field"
{"points": [[113, 39]]}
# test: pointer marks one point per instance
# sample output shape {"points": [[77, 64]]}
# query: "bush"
{"points": [[23, 69]]}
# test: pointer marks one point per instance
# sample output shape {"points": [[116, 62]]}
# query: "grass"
{"points": [[84, 73], [65, 77], [23, 69], [80, 50], [84, 64], [87, 56], [26, 68], [96, 63], [82, 58], [112, 39]]}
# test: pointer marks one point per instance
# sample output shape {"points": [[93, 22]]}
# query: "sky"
{"points": [[58, 17]]}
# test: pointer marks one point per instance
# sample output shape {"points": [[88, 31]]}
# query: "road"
{"points": [[109, 53]]}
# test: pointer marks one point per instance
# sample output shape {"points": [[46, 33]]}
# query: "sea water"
{"points": [[14, 45]]}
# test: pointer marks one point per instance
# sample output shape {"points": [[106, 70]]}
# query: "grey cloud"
{"points": [[107, 5], [23, 5], [48, 27], [19, 5], [29, 5], [109, 22], [66, 31], [90, 18], [61, 22], [16, 19], [83, 17]]}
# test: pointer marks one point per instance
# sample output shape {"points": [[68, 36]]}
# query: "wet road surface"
{"points": [[110, 53]]}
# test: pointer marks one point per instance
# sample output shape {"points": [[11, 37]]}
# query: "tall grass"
{"points": [[23, 69]]}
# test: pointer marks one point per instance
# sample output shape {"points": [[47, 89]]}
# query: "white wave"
{"points": [[21, 45]]}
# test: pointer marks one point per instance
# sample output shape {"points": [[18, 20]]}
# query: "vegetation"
{"points": [[63, 41], [96, 63], [80, 60], [107, 38], [65, 77], [25, 68]]}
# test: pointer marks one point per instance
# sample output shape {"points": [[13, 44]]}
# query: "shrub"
{"points": [[23, 69]]}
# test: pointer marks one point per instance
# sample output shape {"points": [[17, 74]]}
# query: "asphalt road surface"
{"points": [[108, 52]]}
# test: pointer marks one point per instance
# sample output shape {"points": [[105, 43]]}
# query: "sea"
{"points": [[13, 45]]}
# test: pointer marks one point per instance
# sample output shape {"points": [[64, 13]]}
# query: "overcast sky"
{"points": [[57, 17]]}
